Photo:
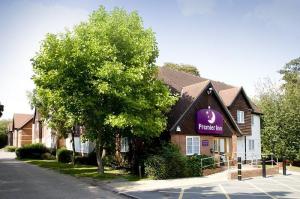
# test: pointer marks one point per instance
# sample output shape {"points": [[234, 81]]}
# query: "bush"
{"points": [[193, 165], [169, 164], [156, 167], [32, 151], [48, 156], [176, 162], [64, 155], [10, 148]]}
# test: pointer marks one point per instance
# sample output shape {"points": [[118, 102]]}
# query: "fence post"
{"points": [[239, 168], [272, 159], [284, 165], [264, 172]]}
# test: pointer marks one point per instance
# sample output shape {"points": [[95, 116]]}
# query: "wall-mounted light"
{"points": [[209, 90], [178, 129]]}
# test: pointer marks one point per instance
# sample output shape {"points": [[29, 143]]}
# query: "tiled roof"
{"points": [[19, 120], [178, 81], [229, 95]]}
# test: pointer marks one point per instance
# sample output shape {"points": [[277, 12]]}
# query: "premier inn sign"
{"points": [[209, 121]]}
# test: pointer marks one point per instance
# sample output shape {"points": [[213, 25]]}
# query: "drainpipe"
{"points": [[245, 149]]}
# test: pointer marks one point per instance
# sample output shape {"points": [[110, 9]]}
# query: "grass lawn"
{"points": [[83, 170], [293, 168]]}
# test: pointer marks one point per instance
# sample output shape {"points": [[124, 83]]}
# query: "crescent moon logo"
{"points": [[213, 118]]}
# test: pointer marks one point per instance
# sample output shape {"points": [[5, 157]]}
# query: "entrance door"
{"points": [[222, 145]]}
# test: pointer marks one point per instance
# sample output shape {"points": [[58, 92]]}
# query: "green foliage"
{"points": [[193, 164], [281, 107], [156, 167], [3, 132], [102, 75], [10, 148], [64, 155], [176, 162], [183, 67], [48, 156], [32, 151]]}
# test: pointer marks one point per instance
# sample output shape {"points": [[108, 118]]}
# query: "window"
{"points": [[192, 145], [240, 117], [251, 145], [124, 145], [216, 145]]}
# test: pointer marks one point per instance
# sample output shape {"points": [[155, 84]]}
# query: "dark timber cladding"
{"points": [[201, 101], [240, 103]]}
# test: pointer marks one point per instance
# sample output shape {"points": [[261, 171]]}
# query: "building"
{"points": [[211, 117], [21, 130], [42, 133]]}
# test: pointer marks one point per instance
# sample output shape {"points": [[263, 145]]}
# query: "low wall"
{"points": [[247, 173]]}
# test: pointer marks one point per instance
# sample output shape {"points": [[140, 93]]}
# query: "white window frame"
{"points": [[124, 145], [240, 117], [194, 141], [251, 145]]}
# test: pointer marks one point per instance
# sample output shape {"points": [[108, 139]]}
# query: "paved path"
{"points": [[279, 186], [21, 180]]}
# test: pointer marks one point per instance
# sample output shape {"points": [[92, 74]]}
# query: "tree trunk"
{"points": [[99, 155], [73, 146]]}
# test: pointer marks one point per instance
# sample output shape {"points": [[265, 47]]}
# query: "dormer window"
{"points": [[240, 117]]}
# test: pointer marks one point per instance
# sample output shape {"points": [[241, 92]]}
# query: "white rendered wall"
{"points": [[256, 136], [80, 146]]}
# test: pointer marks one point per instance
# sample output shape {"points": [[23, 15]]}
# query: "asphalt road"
{"points": [[21, 180], [278, 186]]}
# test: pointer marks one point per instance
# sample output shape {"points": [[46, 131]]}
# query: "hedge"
{"points": [[31, 151], [64, 155]]}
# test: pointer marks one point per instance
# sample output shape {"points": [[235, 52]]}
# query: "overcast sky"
{"points": [[234, 41]]}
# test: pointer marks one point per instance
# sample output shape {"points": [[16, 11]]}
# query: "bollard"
{"points": [[284, 166], [239, 168], [264, 172]]}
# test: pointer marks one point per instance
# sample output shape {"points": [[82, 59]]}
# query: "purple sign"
{"points": [[209, 121], [205, 143]]}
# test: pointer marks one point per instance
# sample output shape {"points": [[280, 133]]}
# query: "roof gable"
{"points": [[190, 96], [20, 120]]}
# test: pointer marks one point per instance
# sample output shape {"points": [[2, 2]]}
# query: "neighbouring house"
{"points": [[21, 130], [211, 117], [42, 133]]}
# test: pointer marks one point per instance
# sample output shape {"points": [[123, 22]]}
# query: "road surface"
{"points": [[22, 180]]}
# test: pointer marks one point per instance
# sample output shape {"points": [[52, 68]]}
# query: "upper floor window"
{"points": [[192, 145], [240, 117], [251, 145], [124, 145]]}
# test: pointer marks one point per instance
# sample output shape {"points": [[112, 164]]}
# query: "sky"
{"points": [[233, 41]]}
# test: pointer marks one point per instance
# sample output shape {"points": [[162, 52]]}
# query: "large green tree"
{"points": [[281, 107], [103, 74]]}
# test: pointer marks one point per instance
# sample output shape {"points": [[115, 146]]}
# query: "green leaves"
{"points": [[281, 108], [102, 75]]}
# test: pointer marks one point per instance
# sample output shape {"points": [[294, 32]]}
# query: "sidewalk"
{"points": [[151, 185]]}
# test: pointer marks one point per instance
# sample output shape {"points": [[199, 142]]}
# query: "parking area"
{"points": [[278, 186]]}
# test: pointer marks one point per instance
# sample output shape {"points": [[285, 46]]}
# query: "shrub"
{"points": [[33, 151], [10, 148], [48, 156], [193, 164], [64, 155], [176, 162], [156, 167], [169, 164]]}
